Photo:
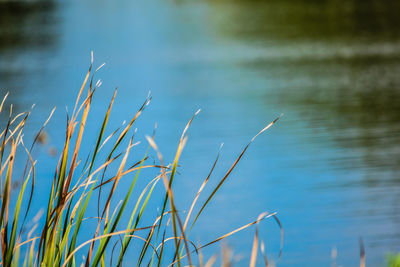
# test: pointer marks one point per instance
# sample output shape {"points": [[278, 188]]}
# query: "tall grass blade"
{"points": [[231, 169]]}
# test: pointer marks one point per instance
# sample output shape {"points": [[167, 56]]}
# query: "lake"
{"points": [[329, 167]]}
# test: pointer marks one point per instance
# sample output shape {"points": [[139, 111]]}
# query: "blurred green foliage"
{"points": [[393, 260]]}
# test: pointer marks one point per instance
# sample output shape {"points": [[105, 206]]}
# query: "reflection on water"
{"points": [[25, 24], [330, 167], [330, 20], [333, 61], [26, 30]]}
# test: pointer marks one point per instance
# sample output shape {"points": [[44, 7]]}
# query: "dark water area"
{"points": [[330, 167]]}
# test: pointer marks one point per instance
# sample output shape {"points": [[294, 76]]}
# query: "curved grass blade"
{"points": [[263, 216], [99, 238], [230, 170]]}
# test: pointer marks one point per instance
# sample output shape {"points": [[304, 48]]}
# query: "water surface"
{"points": [[330, 167]]}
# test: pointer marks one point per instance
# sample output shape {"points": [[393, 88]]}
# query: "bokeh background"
{"points": [[330, 167]]}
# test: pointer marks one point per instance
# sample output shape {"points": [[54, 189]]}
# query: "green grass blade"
{"points": [[10, 250], [128, 237]]}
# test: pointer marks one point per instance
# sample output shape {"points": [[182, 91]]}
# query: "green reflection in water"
{"points": [[327, 20], [334, 63]]}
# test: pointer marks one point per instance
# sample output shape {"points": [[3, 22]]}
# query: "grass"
{"points": [[60, 237], [393, 260]]}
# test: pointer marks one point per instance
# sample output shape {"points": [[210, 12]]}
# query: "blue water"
{"points": [[329, 167]]}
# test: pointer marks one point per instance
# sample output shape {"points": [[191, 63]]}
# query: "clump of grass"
{"points": [[57, 238], [393, 260]]}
